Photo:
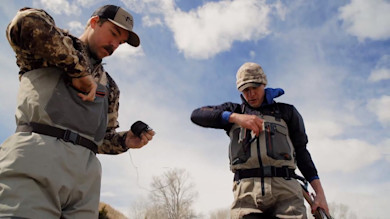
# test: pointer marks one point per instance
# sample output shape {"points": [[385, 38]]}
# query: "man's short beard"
{"points": [[93, 54], [109, 49]]}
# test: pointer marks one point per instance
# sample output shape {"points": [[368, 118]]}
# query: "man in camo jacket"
{"points": [[67, 112]]}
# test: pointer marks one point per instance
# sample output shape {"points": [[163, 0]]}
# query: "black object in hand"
{"points": [[138, 127]]}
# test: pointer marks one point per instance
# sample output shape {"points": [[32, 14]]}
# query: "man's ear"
{"points": [[93, 22]]}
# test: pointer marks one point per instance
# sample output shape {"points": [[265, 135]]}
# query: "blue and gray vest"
{"points": [[272, 147]]}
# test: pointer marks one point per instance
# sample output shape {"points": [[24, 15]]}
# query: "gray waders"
{"points": [[48, 168], [263, 170]]}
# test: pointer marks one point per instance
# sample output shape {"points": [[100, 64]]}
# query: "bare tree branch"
{"points": [[174, 194]]}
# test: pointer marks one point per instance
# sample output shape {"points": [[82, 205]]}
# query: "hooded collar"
{"points": [[269, 95]]}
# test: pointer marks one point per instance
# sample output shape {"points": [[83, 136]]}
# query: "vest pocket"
{"points": [[278, 146], [239, 152], [67, 109]]}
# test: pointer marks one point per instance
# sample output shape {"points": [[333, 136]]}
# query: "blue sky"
{"points": [[332, 58]]}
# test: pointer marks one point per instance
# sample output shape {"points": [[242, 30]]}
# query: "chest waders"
{"points": [[48, 105], [271, 154], [48, 168]]}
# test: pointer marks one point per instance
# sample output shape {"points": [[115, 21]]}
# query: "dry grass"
{"points": [[111, 212]]}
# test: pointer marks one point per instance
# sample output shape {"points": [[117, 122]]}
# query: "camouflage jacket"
{"points": [[38, 43]]}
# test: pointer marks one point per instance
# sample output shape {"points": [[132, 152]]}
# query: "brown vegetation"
{"points": [[108, 212]]}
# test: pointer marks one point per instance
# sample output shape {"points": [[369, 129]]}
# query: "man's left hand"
{"points": [[133, 141], [320, 202], [319, 199]]}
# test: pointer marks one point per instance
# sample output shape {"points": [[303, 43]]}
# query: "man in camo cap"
{"points": [[67, 112], [268, 142]]}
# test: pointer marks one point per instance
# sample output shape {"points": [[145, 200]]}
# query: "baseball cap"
{"points": [[250, 75], [121, 18]]}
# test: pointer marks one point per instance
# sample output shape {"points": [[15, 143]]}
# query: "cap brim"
{"points": [[250, 84], [133, 37]]}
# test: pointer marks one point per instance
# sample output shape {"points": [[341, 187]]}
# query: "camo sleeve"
{"points": [[114, 142], [38, 43]]}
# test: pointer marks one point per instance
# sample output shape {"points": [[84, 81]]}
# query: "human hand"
{"points": [[319, 199], [320, 202], [133, 141], [251, 122], [86, 84]]}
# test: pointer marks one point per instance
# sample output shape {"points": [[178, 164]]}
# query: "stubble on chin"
{"points": [[109, 49]]}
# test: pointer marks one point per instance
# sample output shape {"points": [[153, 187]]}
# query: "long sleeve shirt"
{"points": [[212, 117], [39, 43]]}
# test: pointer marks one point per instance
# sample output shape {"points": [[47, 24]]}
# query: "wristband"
{"points": [[225, 116]]}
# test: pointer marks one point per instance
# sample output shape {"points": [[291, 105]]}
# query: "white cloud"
{"points": [[88, 3], [211, 28], [385, 147], [346, 155], [214, 27], [379, 74], [107, 194], [134, 5], [366, 202], [10, 83], [380, 107], [252, 54], [324, 127], [382, 70], [60, 7], [125, 51], [76, 27], [149, 21], [280, 9], [367, 19]]}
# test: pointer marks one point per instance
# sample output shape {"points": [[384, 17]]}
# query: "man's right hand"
{"points": [[251, 122], [86, 84]]}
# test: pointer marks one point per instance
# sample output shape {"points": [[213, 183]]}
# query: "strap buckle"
{"points": [[237, 175], [287, 171], [71, 137]]}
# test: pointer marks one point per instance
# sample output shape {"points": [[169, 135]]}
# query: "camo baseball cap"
{"points": [[121, 18], [250, 75]]}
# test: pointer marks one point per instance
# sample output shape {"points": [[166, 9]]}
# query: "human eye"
{"points": [[113, 33]]}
